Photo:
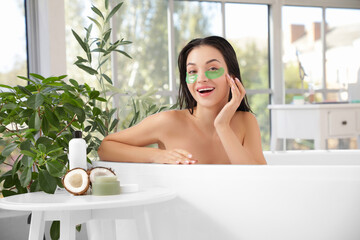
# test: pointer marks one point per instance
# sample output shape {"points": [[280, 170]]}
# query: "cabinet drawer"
{"points": [[342, 123]]}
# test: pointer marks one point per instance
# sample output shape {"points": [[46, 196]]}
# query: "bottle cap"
{"points": [[77, 134]]}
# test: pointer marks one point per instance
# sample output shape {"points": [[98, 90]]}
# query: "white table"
{"points": [[72, 210], [315, 121]]}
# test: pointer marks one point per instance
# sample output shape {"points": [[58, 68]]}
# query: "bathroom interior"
{"points": [[300, 65]]}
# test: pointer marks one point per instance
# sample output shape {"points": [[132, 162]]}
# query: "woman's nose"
{"points": [[202, 77]]}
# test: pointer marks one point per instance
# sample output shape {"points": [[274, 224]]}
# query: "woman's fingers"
{"points": [[237, 89], [180, 156]]}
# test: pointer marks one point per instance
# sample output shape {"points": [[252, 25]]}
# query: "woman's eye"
{"points": [[213, 69], [191, 72]]}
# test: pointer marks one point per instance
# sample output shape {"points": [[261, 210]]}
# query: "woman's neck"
{"points": [[205, 116]]}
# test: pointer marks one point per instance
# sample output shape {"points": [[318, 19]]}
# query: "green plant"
{"points": [[97, 49], [36, 122]]}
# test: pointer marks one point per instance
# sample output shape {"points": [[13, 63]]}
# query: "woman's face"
{"points": [[206, 76]]}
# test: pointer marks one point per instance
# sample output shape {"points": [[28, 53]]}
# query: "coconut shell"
{"points": [[84, 191]]}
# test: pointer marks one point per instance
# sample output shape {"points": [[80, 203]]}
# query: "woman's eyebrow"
{"points": [[207, 62], [212, 60]]}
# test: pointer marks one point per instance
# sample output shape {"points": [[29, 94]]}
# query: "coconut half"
{"points": [[76, 181], [100, 171]]}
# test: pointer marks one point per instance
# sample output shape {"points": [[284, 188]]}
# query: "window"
{"points": [[246, 27], [305, 62], [302, 50], [13, 58], [342, 51]]}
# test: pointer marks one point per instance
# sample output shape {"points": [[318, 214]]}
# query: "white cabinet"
{"points": [[341, 123], [314, 121]]}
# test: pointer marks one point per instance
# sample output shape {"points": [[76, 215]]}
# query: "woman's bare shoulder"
{"points": [[246, 118], [169, 116]]}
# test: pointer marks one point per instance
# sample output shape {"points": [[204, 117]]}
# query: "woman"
{"points": [[216, 126]]}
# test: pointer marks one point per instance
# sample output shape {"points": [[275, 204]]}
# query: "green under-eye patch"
{"points": [[215, 74], [191, 78]]}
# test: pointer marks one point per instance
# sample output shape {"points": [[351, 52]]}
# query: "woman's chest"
{"points": [[205, 148]]}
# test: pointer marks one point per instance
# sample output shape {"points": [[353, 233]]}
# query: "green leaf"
{"points": [[9, 182], [101, 126], [101, 99], [107, 78], [96, 111], [124, 53], [80, 41], [55, 168], [56, 152], [42, 148], [26, 113], [39, 99], [34, 121], [2, 129], [80, 113], [47, 142], [37, 76], [6, 86], [96, 22], [9, 149], [35, 186], [28, 153], [113, 11], [24, 90], [28, 80], [45, 126], [26, 161], [97, 11], [94, 94], [55, 230], [98, 50], [107, 35], [31, 101], [2, 159], [7, 193], [51, 117], [87, 69], [10, 106], [114, 124], [15, 168], [47, 182], [88, 32], [78, 227], [25, 177], [74, 83]]}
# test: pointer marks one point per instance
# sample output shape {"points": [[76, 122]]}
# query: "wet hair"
{"points": [[185, 99]]}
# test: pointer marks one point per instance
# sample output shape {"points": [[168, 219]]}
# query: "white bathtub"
{"points": [[311, 195]]}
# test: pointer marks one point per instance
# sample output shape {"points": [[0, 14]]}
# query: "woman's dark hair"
{"points": [[225, 48]]}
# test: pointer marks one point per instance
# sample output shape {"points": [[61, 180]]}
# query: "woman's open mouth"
{"points": [[205, 91]]}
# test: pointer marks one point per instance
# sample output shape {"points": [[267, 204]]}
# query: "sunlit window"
{"points": [[342, 51], [13, 57], [247, 30], [302, 50], [144, 23]]}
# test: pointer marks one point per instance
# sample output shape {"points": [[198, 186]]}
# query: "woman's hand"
{"points": [[238, 92], [174, 156]]}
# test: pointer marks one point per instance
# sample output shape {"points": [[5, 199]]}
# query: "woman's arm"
{"points": [[250, 150], [129, 145]]}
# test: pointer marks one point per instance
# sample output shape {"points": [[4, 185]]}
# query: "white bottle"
{"points": [[77, 151]]}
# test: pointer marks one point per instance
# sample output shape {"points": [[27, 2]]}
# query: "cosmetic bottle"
{"points": [[77, 151]]}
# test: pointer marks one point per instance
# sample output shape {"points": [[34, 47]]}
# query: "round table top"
{"points": [[63, 200]]}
